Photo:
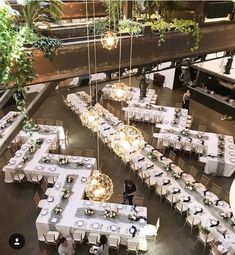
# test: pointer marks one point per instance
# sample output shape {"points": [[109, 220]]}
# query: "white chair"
{"points": [[35, 178], [114, 241], [181, 208], [160, 191], [133, 245], [51, 237], [151, 231], [17, 177], [192, 221], [205, 239], [51, 179], [78, 235], [93, 238], [171, 199]]}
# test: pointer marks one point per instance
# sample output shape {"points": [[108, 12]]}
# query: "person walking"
{"points": [[66, 246], [186, 99], [129, 191]]}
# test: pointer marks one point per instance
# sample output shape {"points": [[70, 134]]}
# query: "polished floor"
{"points": [[17, 211]]}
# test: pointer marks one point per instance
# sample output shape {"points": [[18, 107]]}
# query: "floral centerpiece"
{"points": [[176, 176], [39, 141], [168, 167], [89, 211], [69, 178], [63, 161], [110, 214], [207, 201], [32, 149], [132, 217], [177, 115], [10, 120], [25, 159], [221, 145], [200, 135], [65, 194], [185, 132], [221, 137], [3, 126], [46, 160], [153, 156], [171, 130], [15, 114], [79, 164], [35, 127], [174, 122], [46, 129], [225, 215], [190, 186], [58, 209]]}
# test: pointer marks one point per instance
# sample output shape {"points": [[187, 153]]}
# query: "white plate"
{"points": [[12, 162], [142, 220], [83, 179], [86, 159], [44, 211], [103, 204], [80, 223], [57, 185], [175, 189], [113, 228], [48, 140], [165, 181], [232, 153], [120, 206], [132, 230], [52, 169], [232, 160], [198, 209], [88, 203], [18, 154], [89, 166], [54, 220], [214, 222], [39, 167], [50, 199], [221, 203], [95, 225]]}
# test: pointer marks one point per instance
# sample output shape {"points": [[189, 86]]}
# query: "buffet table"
{"points": [[220, 162]]}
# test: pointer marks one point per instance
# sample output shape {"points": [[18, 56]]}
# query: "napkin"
{"points": [[202, 141], [159, 174], [175, 191], [166, 182], [190, 139], [133, 230], [205, 192], [198, 212], [102, 123], [107, 128], [140, 159], [134, 208], [179, 138], [187, 199], [149, 166]]}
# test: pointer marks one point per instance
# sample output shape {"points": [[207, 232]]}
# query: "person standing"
{"points": [[186, 99], [129, 191], [66, 246], [103, 249]]}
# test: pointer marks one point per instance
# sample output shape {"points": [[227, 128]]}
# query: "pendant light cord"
{"points": [[120, 49]]}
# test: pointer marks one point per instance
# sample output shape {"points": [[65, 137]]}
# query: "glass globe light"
{"points": [[99, 187], [119, 91], [109, 40], [89, 119], [127, 140]]}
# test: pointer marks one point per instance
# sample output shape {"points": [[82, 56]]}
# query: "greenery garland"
{"points": [[162, 27], [128, 26]]}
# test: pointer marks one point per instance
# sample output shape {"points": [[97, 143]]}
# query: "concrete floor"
{"points": [[18, 214]]}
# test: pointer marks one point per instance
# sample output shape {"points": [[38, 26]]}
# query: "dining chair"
{"points": [[133, 245], [17, 177], [171, 199], [7, 155], [14, 147], [49, 122], [226, 196], [172, 156], [192, 222], [160, 191], [181, 208], [205, 180], [51, 179], [40, 121], [78, 235], [51, 237], [202, 128], [35, 178], [148, 180], [193, 171], [181, 163], [114, 241], [93, 238], [59, 123], [215, 251], [204, 238], [216, 189], [39, 203]]}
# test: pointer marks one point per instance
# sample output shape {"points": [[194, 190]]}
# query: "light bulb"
{"points": [[110, 41]]}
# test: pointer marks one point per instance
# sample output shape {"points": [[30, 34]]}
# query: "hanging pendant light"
{"points": [[127, 140], [109, 40], [99, 188], [119, 91], [232, 197], [90, 119]]}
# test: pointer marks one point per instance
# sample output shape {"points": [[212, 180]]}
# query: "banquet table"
{"points": [[154, 169], [133, 95], [161, 115], [216, 164]]}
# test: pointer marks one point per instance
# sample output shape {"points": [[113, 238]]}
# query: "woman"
{"points": [[129, 191], [103, 249], [66, 246], [186, 98]]}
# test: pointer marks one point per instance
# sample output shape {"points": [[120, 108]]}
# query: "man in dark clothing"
{"points": [[129, 191]]}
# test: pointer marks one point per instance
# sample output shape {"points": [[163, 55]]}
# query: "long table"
{"points": [[161, 171]]}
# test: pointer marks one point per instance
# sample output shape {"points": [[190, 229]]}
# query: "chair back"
{"points": [[36, 198], [181, 163], [44, 186], [90, 153], [226, 196], [216, 189], [202, 128], [114, 241], [93, 239], [59, 123], [172, 155], [40, 121], [193, 171], [7, 155], [205, 180], [49, 122], [133, 245], [50, 237], [138, 200]]}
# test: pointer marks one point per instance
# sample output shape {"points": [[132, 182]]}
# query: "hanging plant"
{"points": [[127, 26], [99, 26], [162, 27], [49, 46], [188, 27]]}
